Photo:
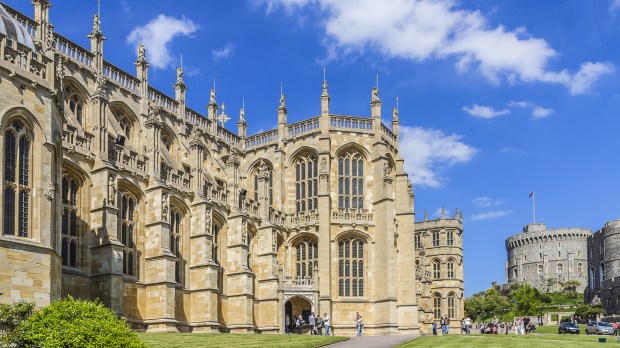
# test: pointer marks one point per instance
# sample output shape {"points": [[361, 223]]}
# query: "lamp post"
{"points": [[540, 317]]}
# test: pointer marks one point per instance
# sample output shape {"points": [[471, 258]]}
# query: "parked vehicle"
{"points": [[599, 328], [568, 327]]}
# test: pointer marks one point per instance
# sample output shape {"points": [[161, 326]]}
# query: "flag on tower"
{"points": [[531, 194]]}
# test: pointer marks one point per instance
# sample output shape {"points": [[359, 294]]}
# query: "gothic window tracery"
{"points": [[17, 141], [306, 183], [351, 267], [128, 233], [436, 269], [76, 105], [451, 305], [70, 233], [437, 305], [450, 238], [451, 273], [306, 255], [435, 239], [350, 181]]}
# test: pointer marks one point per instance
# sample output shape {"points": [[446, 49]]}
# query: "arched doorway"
{"points": [[296, 306]]}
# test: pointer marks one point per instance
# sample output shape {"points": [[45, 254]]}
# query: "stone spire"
{"points": [[142, 69], [324, 97], [96, 41]]}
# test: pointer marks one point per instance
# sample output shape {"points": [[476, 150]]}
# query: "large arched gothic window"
{"points": [[437, 306], [128, 232], [351, 267], [350, 181], [17, 143], [175, 243], [70, 234], [560, 268], [579, 267], [306, 184], [436, 269], [306, 255], [451, 305], [540, 271]]}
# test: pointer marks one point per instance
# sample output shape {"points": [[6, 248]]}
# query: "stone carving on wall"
{"points": [[323, 166], [274, 240], [111, 189], [244, 231], [51, 192], [164, 206], [208, 217], [49, 40]]}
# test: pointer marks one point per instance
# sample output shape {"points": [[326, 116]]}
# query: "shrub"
{"points": [[11, 316], [75, 323], [566, 319]]}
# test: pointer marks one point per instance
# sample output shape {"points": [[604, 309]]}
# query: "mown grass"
{"points": [[510, 341], [184, 340]]}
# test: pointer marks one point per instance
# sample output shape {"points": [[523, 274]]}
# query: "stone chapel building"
{"points": [[115, 191]]}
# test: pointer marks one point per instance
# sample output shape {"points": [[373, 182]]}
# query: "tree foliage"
{"points": [[586, 311], [72, 323], [11, 315]]}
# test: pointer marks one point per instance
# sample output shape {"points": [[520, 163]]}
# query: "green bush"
{"points": [[11, 316], [72, 323], [566, 319]]}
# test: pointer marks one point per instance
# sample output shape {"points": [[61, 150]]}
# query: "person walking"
{"points": [[434, 328], [358, 323], [287, 324], [447, 324], [312, 323], [300, 324], [526, 325], [467, 325], [327, 324]]}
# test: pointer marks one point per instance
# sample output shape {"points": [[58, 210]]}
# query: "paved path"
{"points": [[373, 341]]}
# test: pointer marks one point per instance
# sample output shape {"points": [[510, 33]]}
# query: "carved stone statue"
{"points": [[375, 94], [212, 96], [282, 101], [51, 192], [180, 76], [208, 221], [112, 189], [386, 168], [49, 43], [263, 170], [96, 24], [323, 167]]}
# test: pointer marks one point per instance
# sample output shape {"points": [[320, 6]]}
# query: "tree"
{"points": [[526, 299], [474, 306], [587, 312], [74, 323]]}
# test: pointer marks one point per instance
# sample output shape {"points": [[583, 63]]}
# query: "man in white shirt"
{"points": [[467, 325], [327, 324]]}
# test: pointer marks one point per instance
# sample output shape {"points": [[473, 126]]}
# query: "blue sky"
{"points": [[496, 99]]}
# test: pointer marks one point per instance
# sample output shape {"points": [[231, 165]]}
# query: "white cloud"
{"points": [[223, 52], [157, 34], [428, 152], [490, 215], [486, 201], [485, 111], [540, 112], [614, 5], [509, 150], [420, 30], [520, 104]]}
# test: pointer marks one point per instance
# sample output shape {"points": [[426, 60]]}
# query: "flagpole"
{"points": [[534, 205]]}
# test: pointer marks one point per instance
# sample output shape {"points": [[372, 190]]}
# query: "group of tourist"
{"points": [[523, 326], [316, 324], [445, 325]]}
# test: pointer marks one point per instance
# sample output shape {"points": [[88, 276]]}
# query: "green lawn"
{"points": [[553, 329], [185, 340], [510, 341]]}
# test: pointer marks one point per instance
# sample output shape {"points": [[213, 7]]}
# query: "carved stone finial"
{"points": [[425, 215], [180, 82], [282, 101], [375, 95], [242, 115], [141, 56], [443, 213], [394, 114], [222, 117], [212, 96], [96, 25]]}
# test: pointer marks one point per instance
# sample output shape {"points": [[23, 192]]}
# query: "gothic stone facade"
{"points": [[115, 191], [439, 270], [604, 267], [546, 258]]}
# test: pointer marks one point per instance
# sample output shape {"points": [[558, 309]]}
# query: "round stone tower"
{"points": [[548, 258]]}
